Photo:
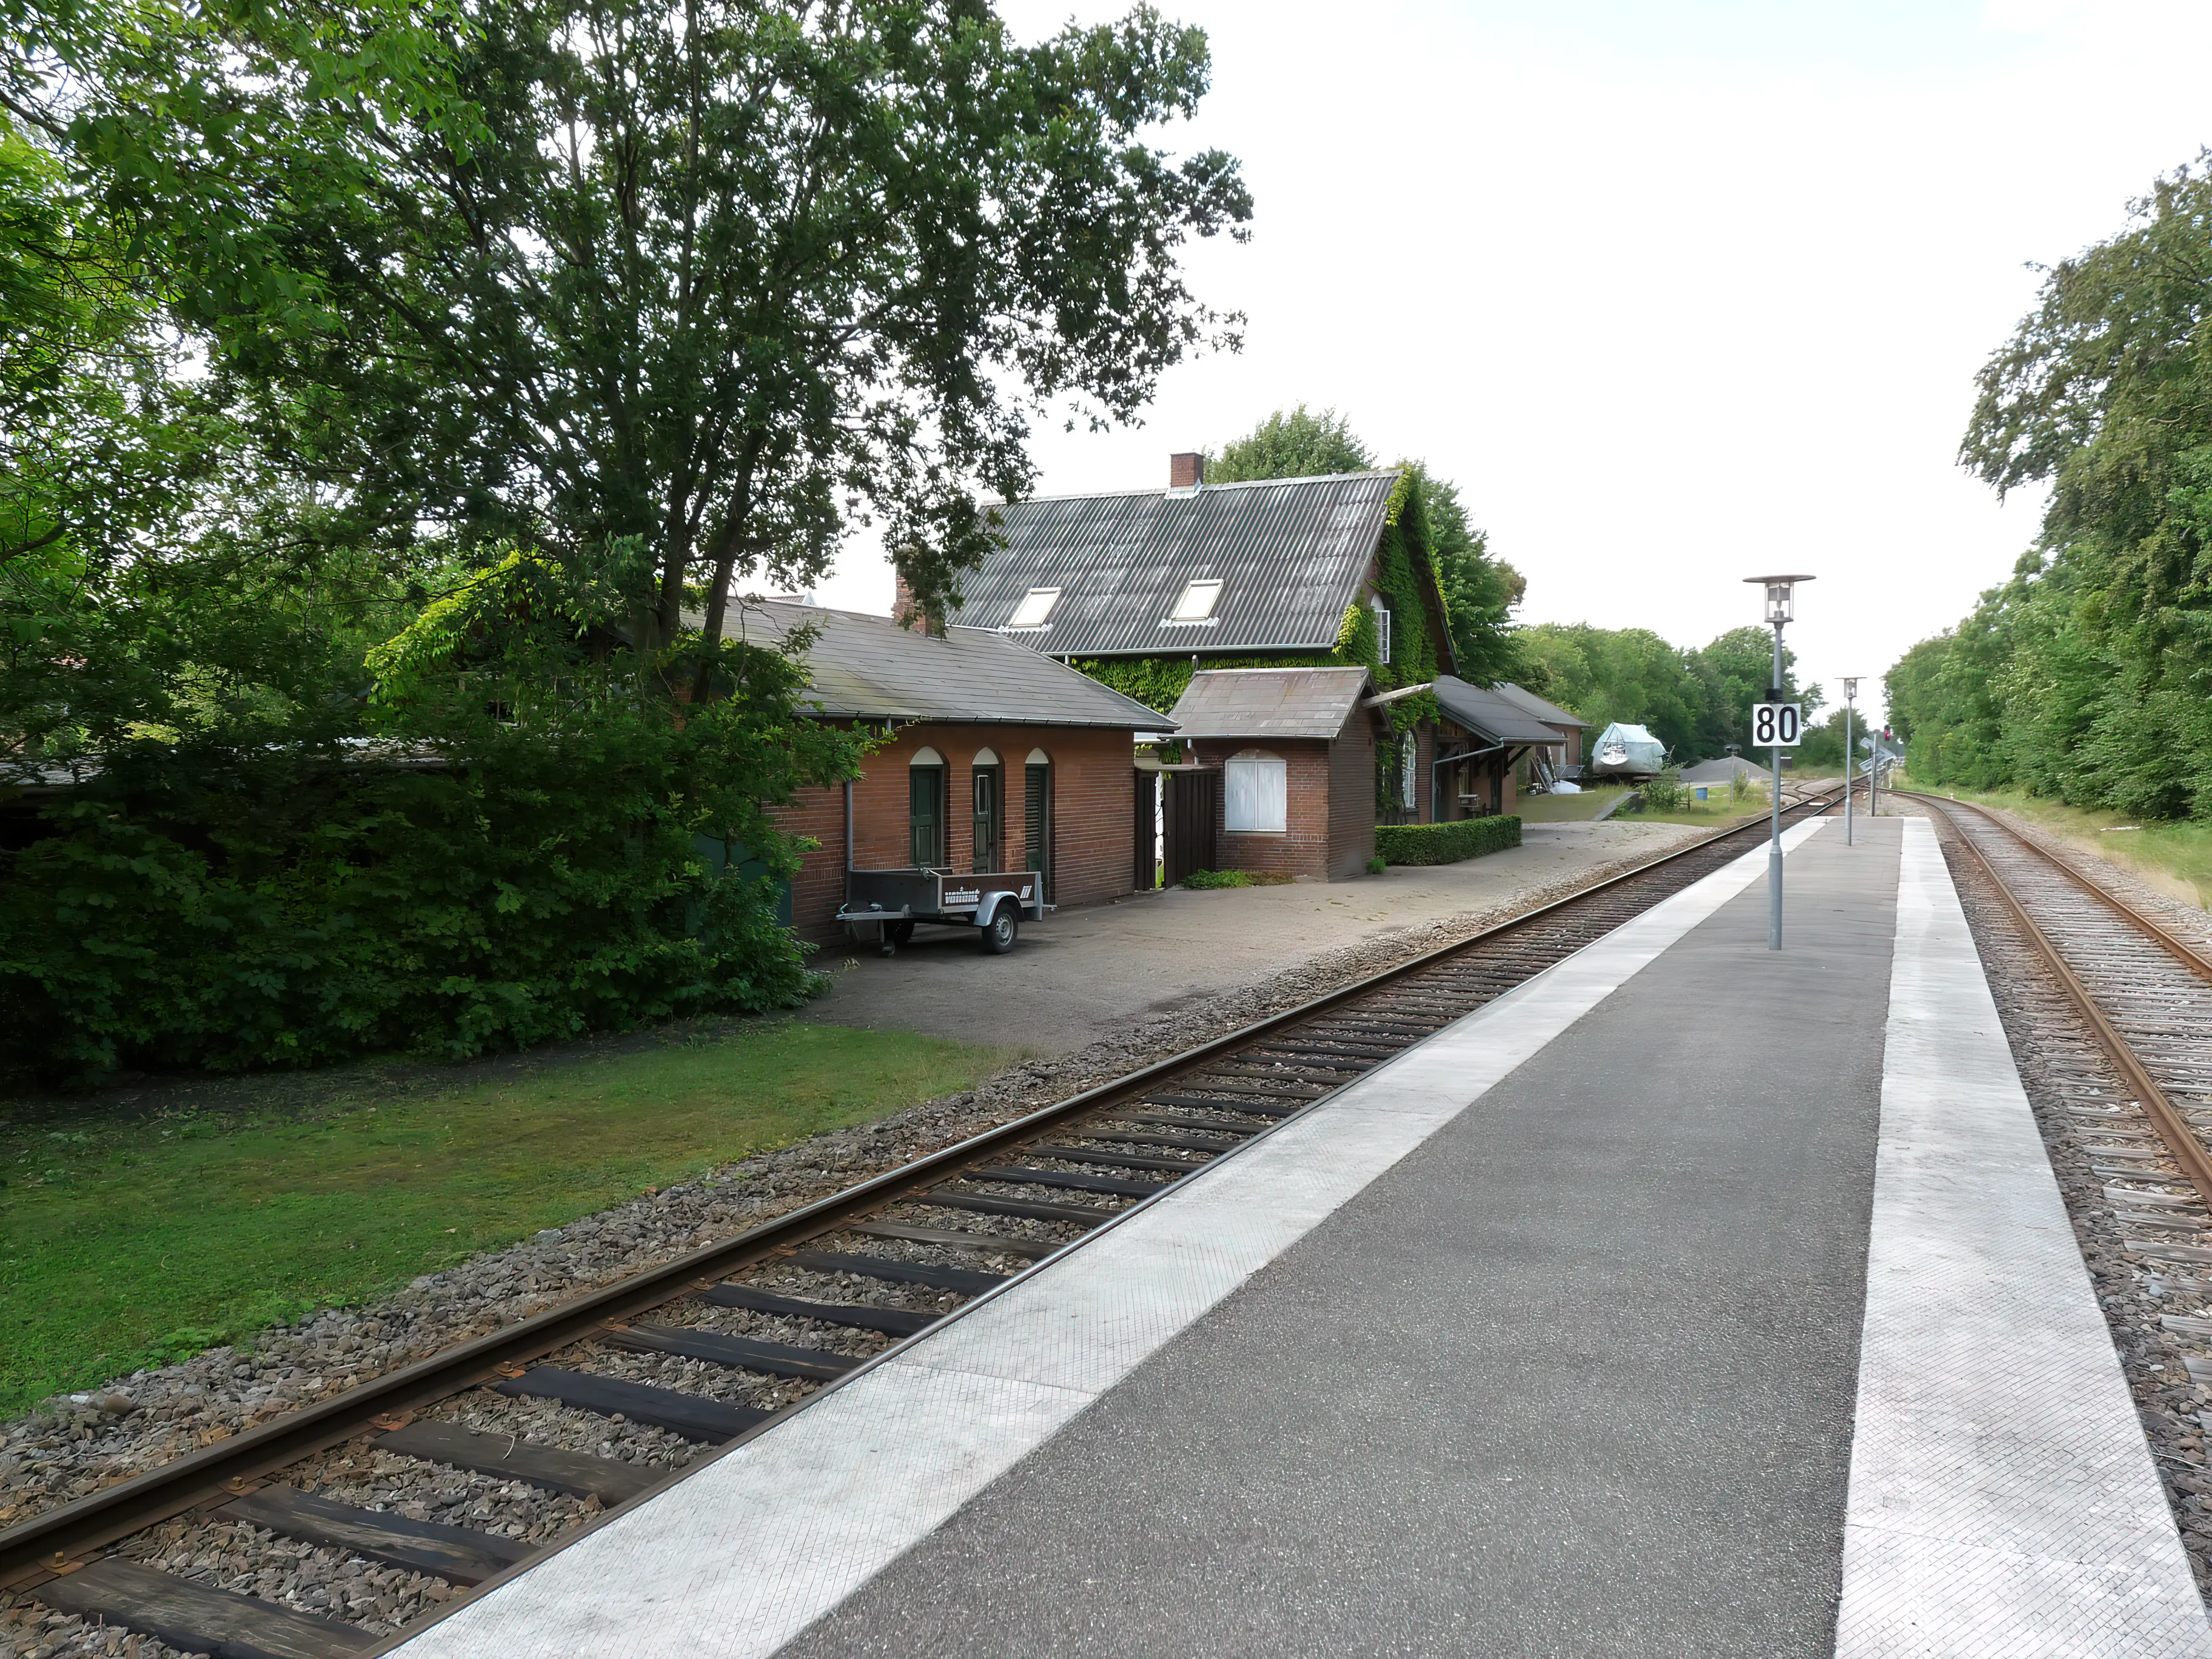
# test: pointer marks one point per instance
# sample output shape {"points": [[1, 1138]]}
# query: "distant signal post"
{"points": [[1850, 755], [1777, 725]]}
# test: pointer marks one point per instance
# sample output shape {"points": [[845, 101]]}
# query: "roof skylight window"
{"points": [[1035, 609], [1197, 603]]}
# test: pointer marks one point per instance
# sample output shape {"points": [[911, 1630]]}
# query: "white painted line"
{"points": [[738, 1559], [2002, 1498]]}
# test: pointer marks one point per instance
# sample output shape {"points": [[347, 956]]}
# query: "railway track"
{"points": [[2145, 994], [312, 1536]]}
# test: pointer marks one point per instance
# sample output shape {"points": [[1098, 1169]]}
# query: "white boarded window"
{"points": [[1197, 602], [1035, 609], [1255, 792]]}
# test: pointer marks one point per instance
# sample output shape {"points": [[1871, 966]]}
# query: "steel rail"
{"points": [[52, 1541], [2180, 948], [2181, 1141]]}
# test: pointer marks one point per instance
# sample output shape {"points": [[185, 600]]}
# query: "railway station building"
{"points": [[1484, 738], [998, 758], [1145, 590], [1563, 756]]}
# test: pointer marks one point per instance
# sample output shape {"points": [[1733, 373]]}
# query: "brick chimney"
{"points": [[906, 609], [1186, 470]]}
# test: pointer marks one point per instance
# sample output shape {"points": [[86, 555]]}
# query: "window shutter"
{"points": [[1257, 797]]}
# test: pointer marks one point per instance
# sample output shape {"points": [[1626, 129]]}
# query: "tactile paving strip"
{"points": [[2002, 1498]]}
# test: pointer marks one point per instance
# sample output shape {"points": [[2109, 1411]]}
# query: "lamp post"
{"points": [[1850, 759], [1780, 596]]}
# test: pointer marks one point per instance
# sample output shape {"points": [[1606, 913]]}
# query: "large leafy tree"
{"points": [[1293, 443], [2088, 675], [1736, 669], [1627, 674], [719, 279], [1696, 702]]}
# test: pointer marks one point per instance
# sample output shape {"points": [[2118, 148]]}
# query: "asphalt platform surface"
{"points": [[1575, 1376]]}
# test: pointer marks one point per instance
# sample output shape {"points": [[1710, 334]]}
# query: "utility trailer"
{"points": [[882, 906]]}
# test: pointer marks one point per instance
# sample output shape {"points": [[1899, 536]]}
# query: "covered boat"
{"points": [[1627, 752]]}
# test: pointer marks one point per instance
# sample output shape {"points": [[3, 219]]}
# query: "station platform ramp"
{"points": [[1692, 1298]]}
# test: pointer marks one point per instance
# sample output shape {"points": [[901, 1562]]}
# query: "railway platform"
{"points": [[1687, 1298]]}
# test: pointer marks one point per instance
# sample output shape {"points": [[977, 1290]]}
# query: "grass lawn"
{"points": [[1565, 809], [1715, 813], [2174, 857], [130, 1244]]}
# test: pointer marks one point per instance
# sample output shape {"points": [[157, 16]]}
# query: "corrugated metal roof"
{"points": [[1290, 553], [1269, 703], [1498, 719], [869, 668], [1550, 713]]}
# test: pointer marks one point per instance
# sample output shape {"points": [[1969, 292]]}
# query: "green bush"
{"points": [[289, 907], [1666, 792], [1209, 879], [1205, 878], [1445, 843], [1378, 864]]}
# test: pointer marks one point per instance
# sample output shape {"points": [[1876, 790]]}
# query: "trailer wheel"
{"points": [[898, 933], [998, 937]]}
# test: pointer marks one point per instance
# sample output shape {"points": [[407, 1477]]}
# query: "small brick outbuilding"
{"points": [[1295, 747], [999, 758]]}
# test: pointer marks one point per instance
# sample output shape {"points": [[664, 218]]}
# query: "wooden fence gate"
{"points": [[1192, 807], [1176, 811]]}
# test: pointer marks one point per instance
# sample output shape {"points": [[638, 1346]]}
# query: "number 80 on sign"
{"points": [[1777, 724]]}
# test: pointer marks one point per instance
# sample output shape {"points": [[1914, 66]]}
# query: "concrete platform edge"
{"points": [[738, 1559], [2002, 1499]]}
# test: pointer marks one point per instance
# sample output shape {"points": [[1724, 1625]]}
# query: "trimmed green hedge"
{"points": [[1445, 843]]}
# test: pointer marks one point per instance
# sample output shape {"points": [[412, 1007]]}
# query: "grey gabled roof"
{"points": [[1291, 553], [869, 668], [1550, 713], [1498, 719], [1269, 703]]}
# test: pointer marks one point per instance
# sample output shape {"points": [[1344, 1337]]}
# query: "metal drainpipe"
{"points": [[849, 826]]}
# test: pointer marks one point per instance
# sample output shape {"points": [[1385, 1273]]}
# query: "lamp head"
{"points": [[1780, 595], [1851, 687]]}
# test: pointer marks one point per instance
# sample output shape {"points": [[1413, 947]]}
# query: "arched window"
{"points": [[1036, 817], [1255, 793], [924, 794]]}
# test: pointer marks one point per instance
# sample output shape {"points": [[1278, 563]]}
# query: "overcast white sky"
{"points": [[1676, 292]]}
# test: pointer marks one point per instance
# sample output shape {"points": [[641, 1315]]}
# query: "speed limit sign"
{"points": [[1777, 724]]}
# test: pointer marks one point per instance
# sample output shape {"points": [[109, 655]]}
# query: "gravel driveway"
{"points": [[1088, 973]]}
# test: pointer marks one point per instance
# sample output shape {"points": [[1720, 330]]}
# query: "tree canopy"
{"points": [[1295, 443], [422, 379], [1695, 702], [2087, 675]]}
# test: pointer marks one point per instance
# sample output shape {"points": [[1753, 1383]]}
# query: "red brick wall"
{"points": [[1093, 776], [1302, 849]]}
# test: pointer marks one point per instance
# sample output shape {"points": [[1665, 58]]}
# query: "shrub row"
{"points": [[296, 910], [1445, 843]]}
